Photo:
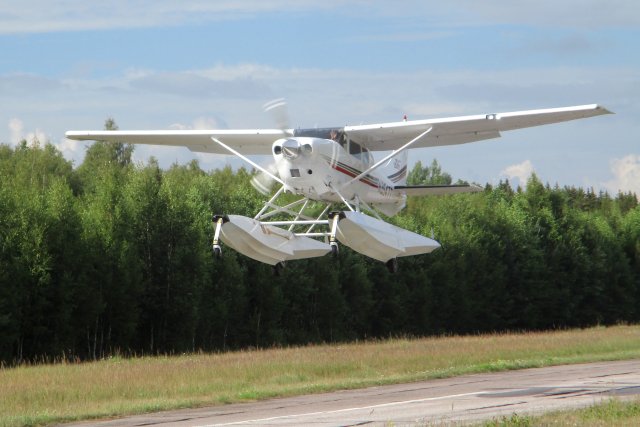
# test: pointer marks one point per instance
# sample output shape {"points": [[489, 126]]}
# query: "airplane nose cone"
{"points": [[290, 149]]}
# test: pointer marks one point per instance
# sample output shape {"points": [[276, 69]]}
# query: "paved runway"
{"points": [[466, 398]]}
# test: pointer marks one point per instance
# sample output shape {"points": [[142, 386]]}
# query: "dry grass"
{"points": [[32, 395]]}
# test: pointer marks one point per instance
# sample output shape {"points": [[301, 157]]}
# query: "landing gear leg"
{"points": [[217, 251], [335, 250], [218, 220], [334, 217], [392, 265]]}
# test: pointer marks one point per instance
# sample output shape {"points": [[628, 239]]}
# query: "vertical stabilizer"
{"points": [[396, 169]]}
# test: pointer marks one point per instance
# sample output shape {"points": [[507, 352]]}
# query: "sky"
{"points": [[71, 64]]}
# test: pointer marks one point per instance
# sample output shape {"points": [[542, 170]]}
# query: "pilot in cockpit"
{"points": [[338, 137]]}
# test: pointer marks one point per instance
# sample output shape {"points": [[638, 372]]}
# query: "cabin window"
{"points": [[368, 157], [360, 153], [354, 149]]}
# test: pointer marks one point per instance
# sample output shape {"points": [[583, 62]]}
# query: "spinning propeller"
{"points": [[277, 109]]}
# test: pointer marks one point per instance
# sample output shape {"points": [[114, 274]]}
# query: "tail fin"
{"points": [[396, 169]]}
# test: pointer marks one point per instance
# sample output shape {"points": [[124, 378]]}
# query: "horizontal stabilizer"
{"points": [[436, 190]]}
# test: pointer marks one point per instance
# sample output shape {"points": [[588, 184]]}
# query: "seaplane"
{"points": [[340, 190]]}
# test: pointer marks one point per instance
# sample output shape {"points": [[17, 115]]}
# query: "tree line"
{"points": [[114, 257]]}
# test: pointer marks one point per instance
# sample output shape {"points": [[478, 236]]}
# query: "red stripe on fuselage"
{"points": [[352, 175]]}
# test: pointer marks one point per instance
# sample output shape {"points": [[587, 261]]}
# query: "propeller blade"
{"points": [[263, 182], [277, 108], [265, 179]]}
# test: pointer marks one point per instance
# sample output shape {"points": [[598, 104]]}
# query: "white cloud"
{"points": [[403, 36], [588, 14], [521, 171], [15, 130], [31, 16], [72, 150], [19, 83], [421, 110], [201, 123], [187, 84], [626, 174], [240, 71], [17, 133], [37, 135]]}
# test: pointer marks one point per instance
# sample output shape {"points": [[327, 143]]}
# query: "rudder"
{"points": [[396, 169]]}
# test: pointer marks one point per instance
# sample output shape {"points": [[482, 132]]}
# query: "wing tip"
{"points": [[603, 110]]}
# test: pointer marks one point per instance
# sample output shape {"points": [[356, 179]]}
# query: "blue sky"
{"points": [[197, 64]]}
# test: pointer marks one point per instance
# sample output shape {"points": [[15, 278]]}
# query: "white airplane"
{"points": [[335, 166]]}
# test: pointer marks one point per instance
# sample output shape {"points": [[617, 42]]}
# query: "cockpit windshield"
{"points": [[338, 135]]}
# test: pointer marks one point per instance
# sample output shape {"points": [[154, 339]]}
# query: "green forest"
{"points": [[114, 258]]}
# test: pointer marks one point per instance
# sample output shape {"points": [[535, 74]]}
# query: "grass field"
{"points": [[44, 394], [612, 413]]}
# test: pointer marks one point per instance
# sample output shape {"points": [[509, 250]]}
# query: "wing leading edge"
{"points": [[464, 129], [247, 141], [376, 137]]}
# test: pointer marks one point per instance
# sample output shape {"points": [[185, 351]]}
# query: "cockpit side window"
{"points": [[369, 157], [360, 152], [355, 149]]}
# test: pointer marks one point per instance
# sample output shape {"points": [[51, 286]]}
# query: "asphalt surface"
{"points": [[459, 399]]}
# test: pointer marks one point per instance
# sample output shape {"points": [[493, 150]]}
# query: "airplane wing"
{"points": [[436, 190], [460, 130], [247, 141], [376, 137]]}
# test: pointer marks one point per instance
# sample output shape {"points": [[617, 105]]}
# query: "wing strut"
{"points": [[246, 159], [386, 158]]}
